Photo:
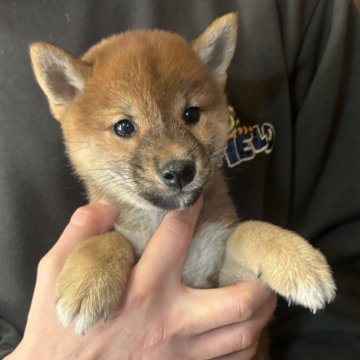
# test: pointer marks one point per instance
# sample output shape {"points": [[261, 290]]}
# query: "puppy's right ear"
{"points": [[60, 75]]}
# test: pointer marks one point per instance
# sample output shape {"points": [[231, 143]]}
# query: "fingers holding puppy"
{"points": [[168, 246], [213, 308], [179, 320], [240, 338]]}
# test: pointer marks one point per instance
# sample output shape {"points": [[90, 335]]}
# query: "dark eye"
{"points": [[124, 128], [191, 115]]}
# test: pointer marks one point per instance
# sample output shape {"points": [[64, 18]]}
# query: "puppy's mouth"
{"points": [[173, 201]]}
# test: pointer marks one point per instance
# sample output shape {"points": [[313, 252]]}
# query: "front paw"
{"points": [[91, 284], [301, 274], [283, 260]]}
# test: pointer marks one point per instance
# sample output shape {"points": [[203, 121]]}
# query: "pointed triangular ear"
{"points": [[60, 75], [215, 47]]}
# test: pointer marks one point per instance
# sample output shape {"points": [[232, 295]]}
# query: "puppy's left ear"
{"points": [[215, 47]]}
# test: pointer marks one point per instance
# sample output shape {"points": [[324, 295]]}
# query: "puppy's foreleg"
{"points": [[92, 281], [284, 261]]}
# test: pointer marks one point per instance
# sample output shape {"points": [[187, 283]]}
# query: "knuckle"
{"points": [[178, 227], [245, 339], [139, 294], [137, 297], [180, 325], [141, 291], [242, 309]]}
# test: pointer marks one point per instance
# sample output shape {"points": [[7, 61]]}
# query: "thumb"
{"points": [[164, 255], [87, 221]]}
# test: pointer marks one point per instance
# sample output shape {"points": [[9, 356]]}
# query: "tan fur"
{"points": [[93, 279], [279, 257], [151, 77]]}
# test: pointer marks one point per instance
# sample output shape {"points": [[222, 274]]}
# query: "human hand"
{"points": [[159, 318]]}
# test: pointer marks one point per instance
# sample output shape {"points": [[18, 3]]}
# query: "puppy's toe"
{"points": [[306, 281], [313, 290], [86, 311], [87, 297]]}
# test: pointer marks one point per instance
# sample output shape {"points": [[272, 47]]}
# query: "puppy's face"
{"points": [[143, 113]]}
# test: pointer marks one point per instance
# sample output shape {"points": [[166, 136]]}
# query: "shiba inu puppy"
{"points": [[145, 122]]}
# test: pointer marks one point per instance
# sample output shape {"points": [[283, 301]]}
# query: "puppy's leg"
{"points": [[91, 283], [281, 259]]}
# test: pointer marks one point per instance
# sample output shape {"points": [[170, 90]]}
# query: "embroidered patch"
{"points": [[245, 142]]}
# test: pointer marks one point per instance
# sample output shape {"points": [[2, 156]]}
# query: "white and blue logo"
{"points": [[245, 142]]}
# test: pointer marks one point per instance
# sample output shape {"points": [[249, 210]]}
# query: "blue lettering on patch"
{"points": [[245, 142]]}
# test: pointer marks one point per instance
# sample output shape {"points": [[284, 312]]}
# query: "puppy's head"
{"points": [[143, 113]]}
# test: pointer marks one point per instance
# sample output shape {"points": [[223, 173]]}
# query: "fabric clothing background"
{"points": [[296, 66]]}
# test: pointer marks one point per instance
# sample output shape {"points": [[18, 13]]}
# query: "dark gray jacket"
{"points": [[296, 68]]}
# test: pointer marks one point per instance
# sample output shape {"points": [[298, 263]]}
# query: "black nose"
{"points": [[178, 173]]}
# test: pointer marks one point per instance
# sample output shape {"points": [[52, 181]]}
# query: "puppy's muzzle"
{"points": [[178, 173]]}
